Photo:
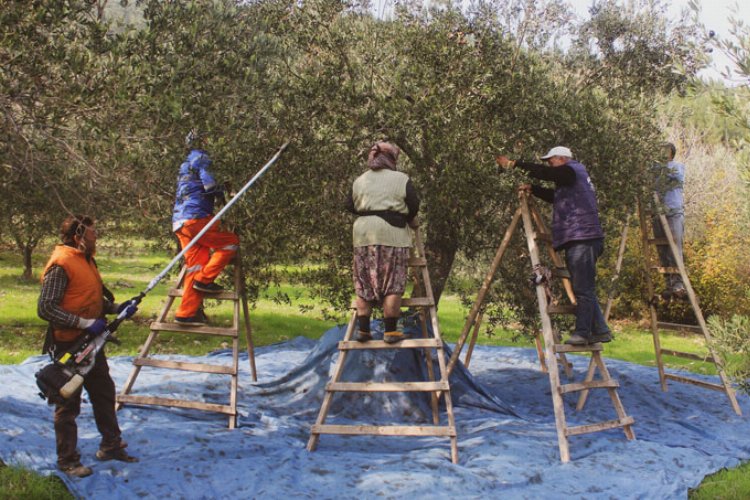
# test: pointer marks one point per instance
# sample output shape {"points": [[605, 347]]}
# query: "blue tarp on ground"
{"points": [[507, 440]]}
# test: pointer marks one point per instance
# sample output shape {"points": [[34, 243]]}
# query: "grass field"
{"points": [[126, 274]]}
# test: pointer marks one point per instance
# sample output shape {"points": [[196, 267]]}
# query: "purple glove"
{"points": [[130, 308], [97, 327]]}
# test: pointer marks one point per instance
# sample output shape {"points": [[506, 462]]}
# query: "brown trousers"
{"points": [[101, 390]]}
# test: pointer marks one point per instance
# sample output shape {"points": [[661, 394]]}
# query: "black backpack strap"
{"points": [[108, 294], [49, 341]]}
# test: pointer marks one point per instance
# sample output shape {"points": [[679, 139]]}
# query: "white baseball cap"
{"points": [[558, 151]]}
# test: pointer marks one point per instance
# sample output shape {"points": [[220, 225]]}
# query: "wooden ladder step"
{"points": [[700, 383], [178, 403], [578, 348], [409, 302], [181, 365], [387, 386], [181, 328], [687, 355], [380, 344], [601, 426], [384, 430], [593, 384], [225, 295], [417, 302], [663, 325], [417, 262], [561, 309], [666, 270]]}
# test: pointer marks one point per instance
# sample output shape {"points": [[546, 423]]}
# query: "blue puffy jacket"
{"points": [[196, 189]]}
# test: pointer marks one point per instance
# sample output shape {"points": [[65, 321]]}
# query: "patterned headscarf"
{"points": [[383, 155]]}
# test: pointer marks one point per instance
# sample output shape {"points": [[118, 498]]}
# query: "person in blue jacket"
{"points": [[575, 229], [669, 186], [193, 209]]}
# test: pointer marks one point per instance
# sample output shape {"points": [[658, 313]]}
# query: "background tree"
{"points": [[52, 73]]}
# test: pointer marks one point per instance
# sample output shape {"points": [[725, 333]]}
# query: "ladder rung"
{"points": [[417, 302], [178, 403], [686, 355], [578, 348], [560, 272], [181, 328], [384, 430], [181, 365], [700, 383], [601, 426], [678, 327], [417, 262], [387, 386], [561, 309], [408, 302], [225, 295], [594, 384], [658, 241], [666, 270], [380, 344]]}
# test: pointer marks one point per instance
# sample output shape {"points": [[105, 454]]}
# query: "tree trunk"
{"points": [[440, 250], [27, 251]]}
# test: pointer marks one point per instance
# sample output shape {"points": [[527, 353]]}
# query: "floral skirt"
{"points": [[379, 271]]}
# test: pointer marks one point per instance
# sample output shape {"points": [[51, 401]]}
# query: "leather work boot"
{"points": [[576, 339], [393, 337], [363, 336], [604, 337], [207, 287], [75, 469], [118, 454]]}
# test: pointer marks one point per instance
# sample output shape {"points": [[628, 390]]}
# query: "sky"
{"points": [[714, 14]]}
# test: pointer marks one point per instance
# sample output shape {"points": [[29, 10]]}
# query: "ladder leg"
{"points": [[147, 345], [482, 291], [618, 267], [240, 287], [312, 443], [549, 339], [540, 351], [430, 370], [650, 294], [628, 429], [729, 391], [589, 377], [473, 341]]}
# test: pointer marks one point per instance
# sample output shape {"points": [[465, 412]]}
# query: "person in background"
{"points": [[73, 300], [669, 184], [386, 204], [575, 229], [193, 209]]}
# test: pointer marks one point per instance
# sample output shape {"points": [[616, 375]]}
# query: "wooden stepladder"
{"points": [[422, 298], [701, 329], [237, 296], [552, 352]]}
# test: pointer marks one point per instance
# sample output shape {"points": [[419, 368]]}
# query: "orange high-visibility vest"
{"points": [[84, 294]]}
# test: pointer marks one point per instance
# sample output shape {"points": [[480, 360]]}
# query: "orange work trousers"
{"points": [[202, 264]]}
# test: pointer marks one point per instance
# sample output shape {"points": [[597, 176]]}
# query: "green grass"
{"points": [[727, 484], [19, 483], [127, 269]]}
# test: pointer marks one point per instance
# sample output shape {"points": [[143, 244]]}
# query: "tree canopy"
{"points": [[95, 112]]}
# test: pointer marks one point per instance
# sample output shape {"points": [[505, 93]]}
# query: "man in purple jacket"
{"points": [[575, 229]]}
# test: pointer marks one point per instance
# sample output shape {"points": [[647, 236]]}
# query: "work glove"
{"points": [[93, 327], [130, 307]]}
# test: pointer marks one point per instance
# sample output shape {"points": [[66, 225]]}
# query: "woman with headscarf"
{"points": [[386, 204]]}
